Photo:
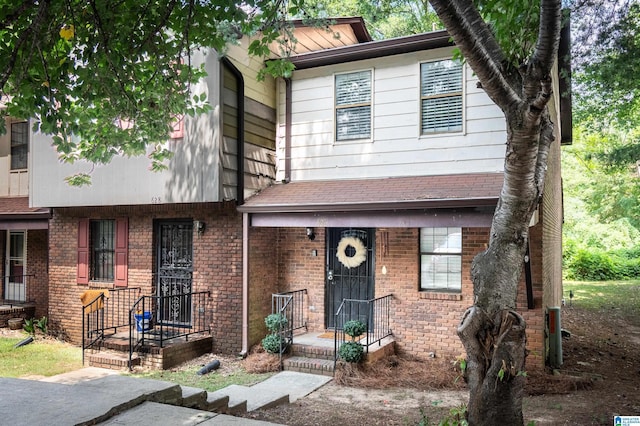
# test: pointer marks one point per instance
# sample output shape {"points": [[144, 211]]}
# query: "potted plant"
{"points": [[15, 323], [352, 351], [274, 342]]}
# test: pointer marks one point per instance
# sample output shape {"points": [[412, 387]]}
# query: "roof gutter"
{"points": [[375, 206], [372, 49]]}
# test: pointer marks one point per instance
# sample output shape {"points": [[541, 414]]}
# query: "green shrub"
{"points": [[274, 322], [41, 324], [351, 352], [592, 265], [29, 326], [598, 265], [273, 343], [628, 268], [354, 328]]}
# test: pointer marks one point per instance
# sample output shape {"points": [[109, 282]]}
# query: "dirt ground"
{"points": [[600, 378]]}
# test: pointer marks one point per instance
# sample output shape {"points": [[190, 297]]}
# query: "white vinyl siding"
{"points": [[398, 148], [441, 96], [441, 259], [353, 105]]}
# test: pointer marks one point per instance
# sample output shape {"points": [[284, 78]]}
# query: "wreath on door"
{"points": [[360, 252]]}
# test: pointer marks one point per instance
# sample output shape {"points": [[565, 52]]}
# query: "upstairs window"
{"points": [[441, 259], [441, 96], [353, 105], [19, 145]]}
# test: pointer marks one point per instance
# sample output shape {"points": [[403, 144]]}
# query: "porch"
{"points": [[16, 300], [316, 351], [122, 329]]}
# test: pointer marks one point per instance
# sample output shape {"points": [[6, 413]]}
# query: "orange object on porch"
{"points": [[89, 296]]}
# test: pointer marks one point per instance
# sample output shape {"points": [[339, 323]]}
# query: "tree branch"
{"points": [[548, 39], [479, 47], [32, 29]]}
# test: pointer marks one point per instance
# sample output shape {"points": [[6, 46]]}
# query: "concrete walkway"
{"points": [[97, 396]]}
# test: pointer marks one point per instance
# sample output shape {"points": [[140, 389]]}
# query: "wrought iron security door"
{"points": [[174, 272], [350, 270]]}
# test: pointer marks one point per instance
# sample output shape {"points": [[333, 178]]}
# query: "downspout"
{"points": [[245, 285], [240, 200], [240, 105], [287, 131]]}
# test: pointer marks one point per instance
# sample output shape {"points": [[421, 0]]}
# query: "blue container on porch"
{"points": [[143, 321]]}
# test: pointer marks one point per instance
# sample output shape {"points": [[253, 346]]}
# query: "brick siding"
{"points": [[263, 279], [422, 322], [217, 264]]}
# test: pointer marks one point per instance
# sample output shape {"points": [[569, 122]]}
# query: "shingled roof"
{"points": [[16, 211], [443, 191]]}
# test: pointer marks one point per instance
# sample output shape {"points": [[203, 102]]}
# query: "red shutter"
{"points": [[122, 248], [83, 252]]}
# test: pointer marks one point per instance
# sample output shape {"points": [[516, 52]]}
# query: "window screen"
{"points": [[441, 96], [353, 105]]}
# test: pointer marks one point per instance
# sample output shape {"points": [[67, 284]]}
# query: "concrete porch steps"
{"points": [[282, 388]]}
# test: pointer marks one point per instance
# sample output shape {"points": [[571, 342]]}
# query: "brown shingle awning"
{"points": [[399, 193], [15, 213]]}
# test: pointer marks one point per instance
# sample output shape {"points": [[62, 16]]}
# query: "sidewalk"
{"points": [[97, 396]]}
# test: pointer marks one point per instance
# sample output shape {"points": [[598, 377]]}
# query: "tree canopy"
{"points": [[384, 18], [112, 78]]}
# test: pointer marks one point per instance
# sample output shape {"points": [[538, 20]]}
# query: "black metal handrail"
{"points": [[374, 313], [293, 301], [107, 310], [9, 295], [290, 305], [161, 319]]}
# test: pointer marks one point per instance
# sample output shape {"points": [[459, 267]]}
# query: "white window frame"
{"points": [[445, 95], [441, 259], [337, 107], [15, 286]]}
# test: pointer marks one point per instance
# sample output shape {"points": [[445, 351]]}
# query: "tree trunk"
{"points": [[492, 332], [495, 362]]}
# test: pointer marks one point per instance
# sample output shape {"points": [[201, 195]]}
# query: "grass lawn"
{"points": [[622, 297], [210, 382], [43, 357]]}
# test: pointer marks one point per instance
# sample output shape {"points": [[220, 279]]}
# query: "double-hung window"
{"points": [[441, 96], [353, 105], [441, 259], [19, 145]]}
